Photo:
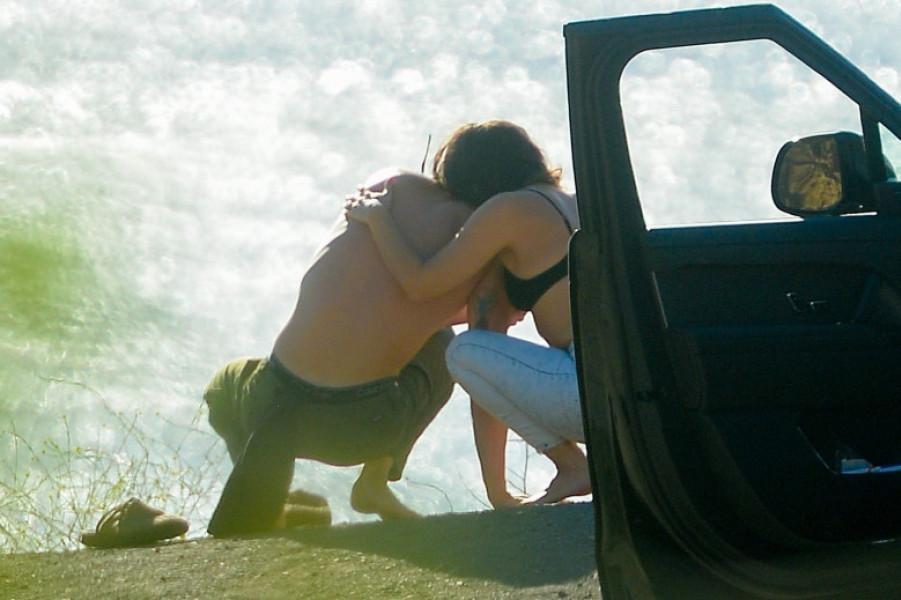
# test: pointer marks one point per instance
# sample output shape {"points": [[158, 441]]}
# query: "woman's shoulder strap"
{"points": [[554, 204]]}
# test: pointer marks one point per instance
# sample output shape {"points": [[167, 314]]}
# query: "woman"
{"points": [[523, 221]]}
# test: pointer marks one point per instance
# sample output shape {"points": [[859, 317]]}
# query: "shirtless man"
{"points": [[355, 376]]}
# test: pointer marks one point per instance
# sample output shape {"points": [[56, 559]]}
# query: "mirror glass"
{"points": [[809, 178]]}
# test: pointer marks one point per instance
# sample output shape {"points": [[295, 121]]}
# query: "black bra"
{"points": [[524, 293]]}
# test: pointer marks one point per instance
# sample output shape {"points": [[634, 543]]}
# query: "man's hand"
{"points": [[366, 203]]}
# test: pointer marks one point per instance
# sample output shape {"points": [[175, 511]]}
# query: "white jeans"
{"points": [[531, 388]]}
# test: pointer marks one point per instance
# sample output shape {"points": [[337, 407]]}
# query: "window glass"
{"points": [[704, 125]]}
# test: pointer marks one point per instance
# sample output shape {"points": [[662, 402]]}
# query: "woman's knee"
{"points": [[461, 355], [474, 341]]}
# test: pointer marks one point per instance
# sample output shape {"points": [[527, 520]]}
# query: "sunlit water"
{"points": [[168, 168]]}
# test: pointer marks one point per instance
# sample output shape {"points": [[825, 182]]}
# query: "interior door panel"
{"points": [[754, 319], [785, 340]]}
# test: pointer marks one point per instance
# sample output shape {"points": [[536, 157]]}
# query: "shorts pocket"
{"points": [[353, 432]]}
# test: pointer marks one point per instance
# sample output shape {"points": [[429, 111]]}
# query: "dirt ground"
{"points": [[528, 553]]}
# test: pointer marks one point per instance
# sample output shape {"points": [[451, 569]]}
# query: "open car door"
{"points": [[737, 296]]}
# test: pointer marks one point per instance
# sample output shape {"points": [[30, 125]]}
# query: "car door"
{"points": [[739, 365]]}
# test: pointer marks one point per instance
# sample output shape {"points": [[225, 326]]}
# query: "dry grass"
{"points": [[52, 489]]}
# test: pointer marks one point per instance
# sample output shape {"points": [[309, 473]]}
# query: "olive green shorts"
{"points": [[339, 426]]}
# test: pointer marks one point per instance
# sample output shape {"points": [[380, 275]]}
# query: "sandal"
{"points": [[304, 498], [134, 523]]}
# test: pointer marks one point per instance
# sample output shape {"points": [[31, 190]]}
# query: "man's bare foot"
{"points": [[305, 498], [297, 515], [370, 494], [379, 500]]}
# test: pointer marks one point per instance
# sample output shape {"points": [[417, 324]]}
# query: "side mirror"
{"points": [[823, 175]]}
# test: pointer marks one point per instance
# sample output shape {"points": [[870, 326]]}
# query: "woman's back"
{"points": [[541, 220]]}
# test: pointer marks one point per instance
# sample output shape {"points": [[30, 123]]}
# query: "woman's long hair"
{"points": [[480, 160]]}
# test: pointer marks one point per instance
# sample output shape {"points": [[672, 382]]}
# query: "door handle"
{"points": [[801, 305]]}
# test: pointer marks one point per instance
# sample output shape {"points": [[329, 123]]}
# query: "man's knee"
{"points": [[430, 362], [443, 337], [431, 356]]}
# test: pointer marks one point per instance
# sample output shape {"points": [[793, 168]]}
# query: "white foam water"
{"points": [[167, 169]]}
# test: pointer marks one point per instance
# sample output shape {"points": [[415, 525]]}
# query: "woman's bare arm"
{"points": [[483, 237], [488, 306]]}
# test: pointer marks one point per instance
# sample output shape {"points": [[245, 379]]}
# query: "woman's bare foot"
{"points": [[561, 488], [572, 477]]}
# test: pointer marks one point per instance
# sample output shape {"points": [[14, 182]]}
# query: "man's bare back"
{"points": [[356, 374], [352, 322]]}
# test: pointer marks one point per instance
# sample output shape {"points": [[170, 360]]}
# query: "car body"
{"points": [[739, 377]]}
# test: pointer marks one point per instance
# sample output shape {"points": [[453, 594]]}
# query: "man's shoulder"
{"points": [[419, 204], [397, 177], [414, 190], [416, 182], [428, 216], [378, 179]]}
